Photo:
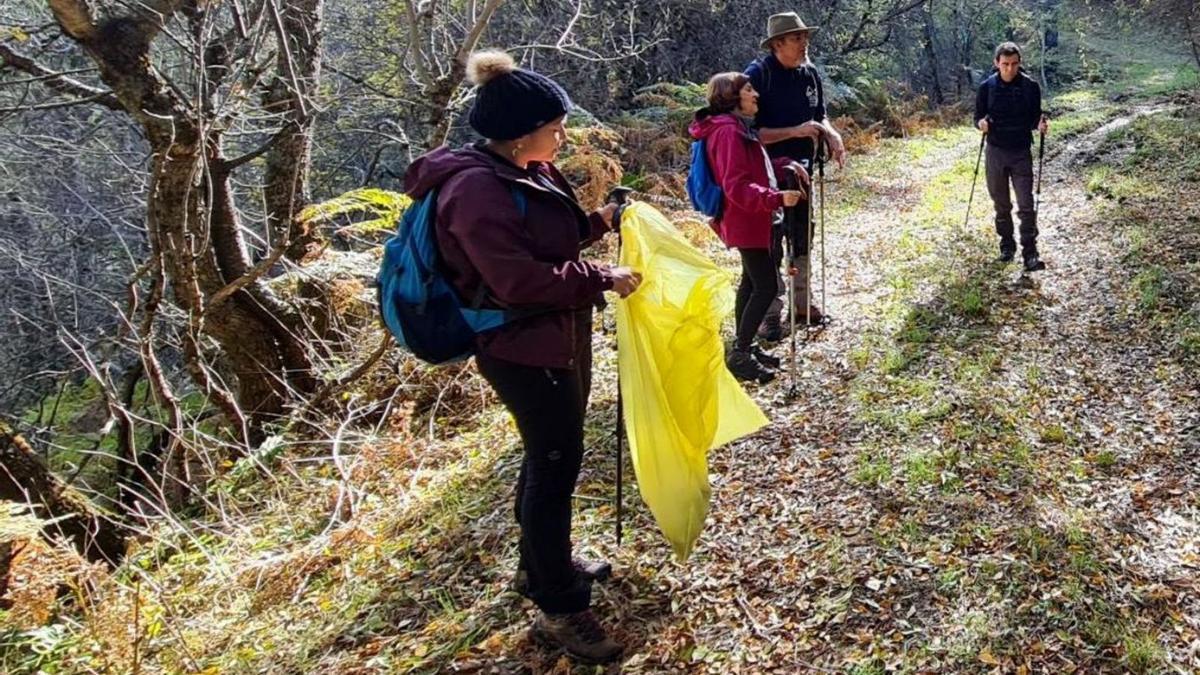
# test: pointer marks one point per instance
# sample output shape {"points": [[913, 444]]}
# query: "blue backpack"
{"points": [[702, 188], [419, 305]]}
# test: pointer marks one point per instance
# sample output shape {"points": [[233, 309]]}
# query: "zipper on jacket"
{"points": [[574, 319]]}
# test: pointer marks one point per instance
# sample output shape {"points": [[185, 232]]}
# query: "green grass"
{"points": [[872, 469], [1143, 654], [1053, 433], [1105, 459], [921, 468]]}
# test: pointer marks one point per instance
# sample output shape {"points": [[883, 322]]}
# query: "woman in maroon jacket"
{"points": [[740, 165], [509, 229]]}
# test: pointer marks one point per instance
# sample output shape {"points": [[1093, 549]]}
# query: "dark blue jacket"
{"points": [[787, 97], [1014, 109]]}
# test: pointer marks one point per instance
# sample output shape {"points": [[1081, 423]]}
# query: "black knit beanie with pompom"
{"points": [[511, 102]]}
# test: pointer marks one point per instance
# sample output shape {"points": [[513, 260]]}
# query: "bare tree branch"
{"points": [[59, 82]]}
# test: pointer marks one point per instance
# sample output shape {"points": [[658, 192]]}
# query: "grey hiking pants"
{"points": [[1015, 165], [794, 222]]}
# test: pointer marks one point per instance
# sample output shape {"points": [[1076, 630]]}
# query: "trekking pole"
{"points": [[971, 199], [809, 240], [617, 196], [788, 252], [821, 149], [1037, 200]]}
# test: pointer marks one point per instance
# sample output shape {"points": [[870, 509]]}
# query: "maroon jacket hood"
{"points": [[433, 168], [704, 124]]}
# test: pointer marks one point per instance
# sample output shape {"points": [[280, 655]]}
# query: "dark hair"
{"points": [[724, 91], [1007, 49]]}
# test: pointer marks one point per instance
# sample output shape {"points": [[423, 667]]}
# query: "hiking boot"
{"points": [[814, 316], [1033, 263], [580, 634], [766, 359], [588, 570], [1008, 251], [772, 331], [745, 368]]}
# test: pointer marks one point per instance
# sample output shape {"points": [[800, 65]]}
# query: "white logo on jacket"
{"points": [[813, 99]]}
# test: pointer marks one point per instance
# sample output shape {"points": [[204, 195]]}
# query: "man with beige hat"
{"points": [[791, 118]]}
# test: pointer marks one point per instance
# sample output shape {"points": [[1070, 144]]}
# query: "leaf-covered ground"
{"points": [[983, 471]]}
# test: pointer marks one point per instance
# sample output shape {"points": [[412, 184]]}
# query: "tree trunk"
{"points": [[266, 356], [293, 93], [931, 54], [193, 223], [441, 116], [1189, 23], [25, 478]]}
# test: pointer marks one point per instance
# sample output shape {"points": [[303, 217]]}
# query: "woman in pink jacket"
{"points": [[746, 174]]}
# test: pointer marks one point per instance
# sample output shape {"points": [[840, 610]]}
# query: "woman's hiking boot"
{"points": [[772, 329], [814, 316], [1033, 262], [588, 570], [580, 634], [745, 368], [765, 358]]}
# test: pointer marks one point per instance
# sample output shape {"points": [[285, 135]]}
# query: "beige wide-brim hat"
{"points": [[784, 23]]}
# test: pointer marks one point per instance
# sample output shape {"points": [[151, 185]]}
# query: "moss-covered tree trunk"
{"points": [[25, 478]]}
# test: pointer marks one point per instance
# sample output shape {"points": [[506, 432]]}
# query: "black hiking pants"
{"points": [[1015, 166], [755, 293], [547, 405]]}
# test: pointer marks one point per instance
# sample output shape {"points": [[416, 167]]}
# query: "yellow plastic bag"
{"points": [[679, 399]]}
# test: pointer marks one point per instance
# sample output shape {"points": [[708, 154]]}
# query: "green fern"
{"points": [[18, 522]]}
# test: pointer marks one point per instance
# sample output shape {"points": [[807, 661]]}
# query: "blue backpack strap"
{"points": [[520, 199]]}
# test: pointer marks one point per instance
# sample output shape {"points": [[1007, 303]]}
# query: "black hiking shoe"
{"points": [[772, 331], [588, 570], [580, 634], [766, 359], [1033, 263], [745, 368], [1008, 250]]}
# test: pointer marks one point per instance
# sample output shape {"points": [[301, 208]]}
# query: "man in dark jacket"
{"points": [[1008, 107], [791, 118]]}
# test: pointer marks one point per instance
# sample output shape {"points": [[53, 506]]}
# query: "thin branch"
{"points": [[39, 78], [249, 277], [588, 55], [352, 376], [367, 85], [289, 62], [414, 42], [230, 165], [570, 27], [59, 81], [52, 106], [887, 36], [472, 39]]}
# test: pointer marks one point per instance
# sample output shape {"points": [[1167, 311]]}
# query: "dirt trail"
{"points": [[1027, 522], [793, 570]]}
